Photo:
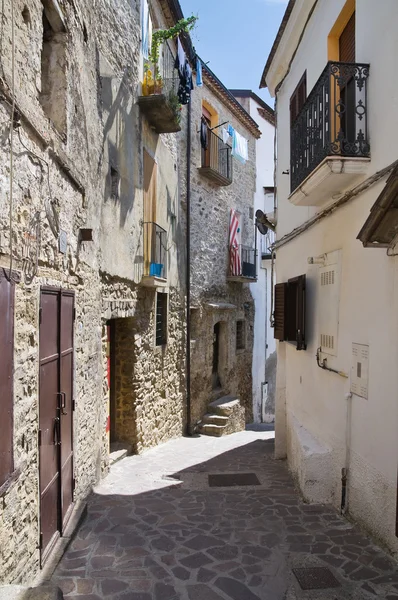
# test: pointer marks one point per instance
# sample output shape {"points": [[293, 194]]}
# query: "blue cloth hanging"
{"points": [[199, 80]]}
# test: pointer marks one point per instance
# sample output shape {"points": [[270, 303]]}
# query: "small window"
{"points": [[289, 313], [298, 99], [53, 93], [240, 335], [115, 184], [161, 319]]}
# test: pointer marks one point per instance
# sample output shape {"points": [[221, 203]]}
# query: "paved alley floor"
{"points": [[157, 530]]}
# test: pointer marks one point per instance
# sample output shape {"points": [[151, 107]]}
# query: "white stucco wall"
{"points": [[264, 344], [308, 397]]}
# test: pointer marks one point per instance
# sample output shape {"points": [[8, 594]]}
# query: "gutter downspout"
{"points": [[188, 272]]}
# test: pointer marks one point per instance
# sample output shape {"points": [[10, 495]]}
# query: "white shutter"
{"points": [[329, 299]]}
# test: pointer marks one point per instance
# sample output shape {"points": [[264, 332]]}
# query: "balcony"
{"points": [[159, 101], [266, 242], [216, 160], [155, 256], [329, 140], [242, 264]]}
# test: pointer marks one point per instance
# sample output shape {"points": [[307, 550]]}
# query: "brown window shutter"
{"points": [[7, 290], [347, 42], [298, 98], [280, 311]]}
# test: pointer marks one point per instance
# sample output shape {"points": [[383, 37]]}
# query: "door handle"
{"points": [[57, 440], [62, 403]]}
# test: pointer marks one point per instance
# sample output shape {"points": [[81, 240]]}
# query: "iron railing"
{"points": [[217, 156], [155, 251], [333, 120], [246, 265], [266, 242], [163, 77]]}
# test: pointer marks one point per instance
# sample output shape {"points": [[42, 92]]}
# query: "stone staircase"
{"points": [[225, 416]]}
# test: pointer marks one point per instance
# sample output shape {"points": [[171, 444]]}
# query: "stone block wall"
{"points": [[210, 215], [61, 181]]}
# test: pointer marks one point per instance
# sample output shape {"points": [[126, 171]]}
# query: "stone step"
{"points": [[214, 430], [212, 419], [224, 406], [118, 451]]}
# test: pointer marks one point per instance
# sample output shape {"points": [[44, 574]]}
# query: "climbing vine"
{"points": [[161, 35]]}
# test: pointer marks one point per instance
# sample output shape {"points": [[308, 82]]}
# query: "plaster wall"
{"points": [[308, 397]]}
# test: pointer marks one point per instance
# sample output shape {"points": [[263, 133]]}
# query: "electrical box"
{"points": [[329, 300], [360, 370]]}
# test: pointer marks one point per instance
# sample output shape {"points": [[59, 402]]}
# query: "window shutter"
{"points": [[300, 313], [280, 311], [347, 42], [298, 98], [7, 290]]}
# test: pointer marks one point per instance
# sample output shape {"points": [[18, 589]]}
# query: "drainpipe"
{"points": [[188, 273], [345, 469]]}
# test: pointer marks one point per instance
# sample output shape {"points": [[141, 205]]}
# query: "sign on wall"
{"points": [[360, 370]]}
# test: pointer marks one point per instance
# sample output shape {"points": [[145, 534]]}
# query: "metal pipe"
{"points": [[188, 273]]}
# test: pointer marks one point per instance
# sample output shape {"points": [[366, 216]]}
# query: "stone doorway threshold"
{"points": [[118, 451]]}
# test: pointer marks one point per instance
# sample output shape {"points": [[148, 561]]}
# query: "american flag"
{"points": [[234, 254]]}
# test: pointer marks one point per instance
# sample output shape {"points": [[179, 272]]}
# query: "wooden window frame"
{"points": [[161, 329]]}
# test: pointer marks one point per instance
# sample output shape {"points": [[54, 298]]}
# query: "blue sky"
{"points": [[236, 36]]}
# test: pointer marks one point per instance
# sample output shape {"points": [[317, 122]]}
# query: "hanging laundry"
{"points": [[199, 80], [186, 84], [225, 135], [203, 133], [146, 32], [230, 130], [240, 147], [180, 58]]}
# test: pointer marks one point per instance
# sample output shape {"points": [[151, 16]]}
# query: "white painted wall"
{"points": [[311, 403], [264, 343]]}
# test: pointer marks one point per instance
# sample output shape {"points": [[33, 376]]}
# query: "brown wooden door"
{"points": [[55, 416], [7, 291]]}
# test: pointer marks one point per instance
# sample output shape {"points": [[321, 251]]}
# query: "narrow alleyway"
{"points": [[158, 528]]}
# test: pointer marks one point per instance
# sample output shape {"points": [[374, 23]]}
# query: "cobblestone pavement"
{"points": [[149, 537]]}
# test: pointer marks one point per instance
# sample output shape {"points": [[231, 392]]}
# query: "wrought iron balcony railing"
{"points": [[333, 120], [242, 263], [155, 251], [217, 159]]}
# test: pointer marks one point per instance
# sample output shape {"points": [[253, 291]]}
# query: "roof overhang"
{"points": [[381, 227], [286, 43]]}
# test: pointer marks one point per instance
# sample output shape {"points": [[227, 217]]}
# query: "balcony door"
{"points": [[150, 201], [347, 91]]}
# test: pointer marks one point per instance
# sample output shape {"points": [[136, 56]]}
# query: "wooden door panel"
{"points": [[49, 418], [66, 400]]}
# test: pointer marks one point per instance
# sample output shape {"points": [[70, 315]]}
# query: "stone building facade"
{"points": [[80, 326], [220, 364]]}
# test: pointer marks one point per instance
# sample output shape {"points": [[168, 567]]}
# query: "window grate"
{"points": [[161, 319], [240, 335]]}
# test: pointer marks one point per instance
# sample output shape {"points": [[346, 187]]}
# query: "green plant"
{"points": [[175, 105], [161, 35]]}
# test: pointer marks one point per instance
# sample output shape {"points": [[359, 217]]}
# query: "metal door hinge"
{"points": [[40, 546], [74, 314], [39, 438], [73, 404], [40, 315], [73, 486]]}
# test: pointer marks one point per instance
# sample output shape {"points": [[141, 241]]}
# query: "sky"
{"points": [[235, 38]]}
